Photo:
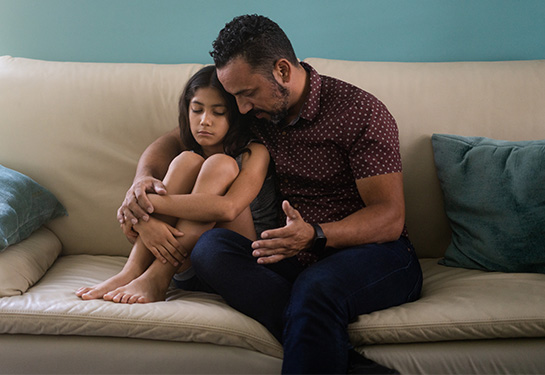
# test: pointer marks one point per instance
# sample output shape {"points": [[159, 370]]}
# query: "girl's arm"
{"points": [[211, 207], [161, 239]]}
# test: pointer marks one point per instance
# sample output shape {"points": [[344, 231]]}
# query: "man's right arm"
{"points": [[151, 169]]}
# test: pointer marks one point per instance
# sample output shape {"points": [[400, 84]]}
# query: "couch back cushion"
{"points": [[78, 129], [500, 100]]}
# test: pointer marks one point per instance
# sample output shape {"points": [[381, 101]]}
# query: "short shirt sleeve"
{"points": [[375, 140]]}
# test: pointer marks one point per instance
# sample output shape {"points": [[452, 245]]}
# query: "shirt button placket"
{"points": [[284, 155]]}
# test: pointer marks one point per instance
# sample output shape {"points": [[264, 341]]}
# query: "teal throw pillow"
{"points": [[494, 194], [24, 207]]}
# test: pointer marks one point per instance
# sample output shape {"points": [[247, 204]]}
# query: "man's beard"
{"points": [[278, 116], [280, 111]]}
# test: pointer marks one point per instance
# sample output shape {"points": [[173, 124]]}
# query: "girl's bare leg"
{"points": [[139, 260], [187, 166], [215, 177]]}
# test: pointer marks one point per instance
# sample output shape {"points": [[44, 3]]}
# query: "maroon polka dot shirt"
{"points": [[343, 134]]}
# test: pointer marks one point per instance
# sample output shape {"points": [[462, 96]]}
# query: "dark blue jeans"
{"points": [[308, 309]]}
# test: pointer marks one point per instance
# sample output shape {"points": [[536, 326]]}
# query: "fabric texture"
{"points": [[24, 207], [494, 195]]}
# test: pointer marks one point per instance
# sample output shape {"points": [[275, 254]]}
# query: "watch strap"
{"points": [[319, 241], [318, 232]]}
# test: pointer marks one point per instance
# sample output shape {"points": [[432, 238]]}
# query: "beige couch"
{"points": [[78, 129]]}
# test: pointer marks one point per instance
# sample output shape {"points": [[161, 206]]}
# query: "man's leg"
{"points": [[329, 295], [222, 259]]}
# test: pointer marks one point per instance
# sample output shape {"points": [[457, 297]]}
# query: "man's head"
{"points": [[257, 39], [255, 62]]}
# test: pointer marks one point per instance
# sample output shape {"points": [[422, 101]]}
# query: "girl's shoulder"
{"points": [[254, 144], [257, 152]]}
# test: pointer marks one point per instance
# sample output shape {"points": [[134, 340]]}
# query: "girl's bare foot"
{"points": [[114, 282], [148, 287]]}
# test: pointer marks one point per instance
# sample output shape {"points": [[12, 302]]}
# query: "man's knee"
{"points": [[203, 248], [208, 248], [217, 253], [316, 293], [311, 286]]}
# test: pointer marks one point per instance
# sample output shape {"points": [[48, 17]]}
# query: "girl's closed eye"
{"points": [[196, 110]]}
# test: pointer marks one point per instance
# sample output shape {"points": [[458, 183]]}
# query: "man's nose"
{"points": [[244, 106]]}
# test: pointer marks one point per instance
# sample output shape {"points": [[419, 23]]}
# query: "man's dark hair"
{"points": [[260, 41]]}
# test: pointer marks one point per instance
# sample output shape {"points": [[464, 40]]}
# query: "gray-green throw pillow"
{"points": [[494, 195], [24, 207]]}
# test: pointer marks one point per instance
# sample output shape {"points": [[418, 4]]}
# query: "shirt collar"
{"points": [[311, 107]]}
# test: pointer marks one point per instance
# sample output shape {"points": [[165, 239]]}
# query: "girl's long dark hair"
{"points": [[237, 137]]}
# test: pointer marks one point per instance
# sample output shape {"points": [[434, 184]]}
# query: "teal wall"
{"points": [[177, 31]]}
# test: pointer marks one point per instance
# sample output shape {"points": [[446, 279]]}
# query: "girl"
{"points": [[216, 184]]}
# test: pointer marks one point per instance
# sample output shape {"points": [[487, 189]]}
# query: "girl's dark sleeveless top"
{"points": [[265, 207]]}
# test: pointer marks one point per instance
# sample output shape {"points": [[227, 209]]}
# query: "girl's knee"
{"points": [[187, 160], [221, 166]]}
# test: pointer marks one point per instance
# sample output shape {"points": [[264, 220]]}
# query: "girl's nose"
{"points": [[205, 119]]}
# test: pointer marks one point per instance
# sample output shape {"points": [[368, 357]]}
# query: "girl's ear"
{"points": [[282, 70]]}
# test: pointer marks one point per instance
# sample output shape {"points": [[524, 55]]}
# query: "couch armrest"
{"points": [[23, 264]]}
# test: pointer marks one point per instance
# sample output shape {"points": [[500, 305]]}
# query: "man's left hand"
{"points": [[285, 242]]}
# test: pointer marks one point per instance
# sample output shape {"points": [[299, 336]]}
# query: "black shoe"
{"points": [[358, 364]]}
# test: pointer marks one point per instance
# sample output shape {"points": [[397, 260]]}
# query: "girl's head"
{"points": [[193, 103]]}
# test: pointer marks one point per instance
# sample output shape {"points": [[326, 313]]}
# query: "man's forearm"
{"points": [[382, 220], [369, 225], [152, 168], [156, 158]]}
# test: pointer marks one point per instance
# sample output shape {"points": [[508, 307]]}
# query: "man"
{"points": [[344, 250]]}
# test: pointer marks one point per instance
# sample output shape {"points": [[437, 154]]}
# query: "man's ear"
{"points": [[282, 70]]}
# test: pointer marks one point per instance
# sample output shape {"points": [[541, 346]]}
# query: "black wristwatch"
{"points": [[318, 244]]}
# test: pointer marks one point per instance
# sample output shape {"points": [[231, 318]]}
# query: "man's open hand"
{"points": [[285, 242]]}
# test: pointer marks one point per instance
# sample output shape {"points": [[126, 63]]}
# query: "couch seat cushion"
{"points": [[460, 304], [52, 308], [457, 304]]}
